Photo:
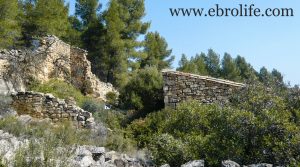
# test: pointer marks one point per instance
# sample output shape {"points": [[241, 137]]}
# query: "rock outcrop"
{"points": [[81, 156], [229, 163], [46, 106], [49, 58], [9, 145], [91, 156], [179, 86], [196, 163]]}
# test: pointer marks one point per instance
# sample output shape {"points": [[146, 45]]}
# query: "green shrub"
{"points": [[64, 134], [45, 139], [112, 98], [13, 126], [111, 118], [61, 90], [92, 106], [166, 149], [42, 154], [120, 140], [144, 92], [216, 133], [2, 164]]}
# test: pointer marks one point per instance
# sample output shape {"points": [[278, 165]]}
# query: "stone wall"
{"points": [[46, 106], [179, 86], [49, 58], [5, 86], [9, 82]]}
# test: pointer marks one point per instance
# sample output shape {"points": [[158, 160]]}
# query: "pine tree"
{"points": [[213, 63], [93, 34], [144, 92], [27, 21], [229, 68], [183, 64], [117, 59], [51, 17], [195, 65], [73, 35], [200, 63], [44, 17], [10, 29], [277, 78], [277, 75], [124, 25], [95, 41], [265, 76], [246, 70], [157, 52], [87, 10], [132, 13]]}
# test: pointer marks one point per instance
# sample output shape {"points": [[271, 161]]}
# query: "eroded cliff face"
{"points": [[50, 58]]}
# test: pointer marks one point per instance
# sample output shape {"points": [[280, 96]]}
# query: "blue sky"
{"points": [[270, 42]]}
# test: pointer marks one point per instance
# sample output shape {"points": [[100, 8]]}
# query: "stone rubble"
{"points": [[83, 156], [9, 145], [229, 163], [46, 106], [51, 58], [196, 163], [92, 156]]}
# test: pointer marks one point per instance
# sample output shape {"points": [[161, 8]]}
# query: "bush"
{"points": [[165, 149], [46, 138], [42, 153], [120, 140], [111, 118], [92, 106], [13, 126], [217, 133], [143, 93], [63, 133], [112, 98], [61, 90]]}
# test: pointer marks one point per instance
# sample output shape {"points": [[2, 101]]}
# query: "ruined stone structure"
{"points": [[179, 86], [49, 58], [46, 106]]}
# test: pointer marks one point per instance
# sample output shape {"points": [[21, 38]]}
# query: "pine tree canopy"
{"points": [[10, 29]]}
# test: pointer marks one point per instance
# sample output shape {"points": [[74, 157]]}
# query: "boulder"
{"points": [[196, 163], [86, 161], [165, 165], [229, 163], [24, 119]]}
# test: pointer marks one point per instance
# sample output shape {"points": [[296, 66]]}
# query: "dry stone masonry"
{"points": [[179, 86], [46, 106], [49, 58]]}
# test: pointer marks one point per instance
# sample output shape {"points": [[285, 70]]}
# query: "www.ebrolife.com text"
{"points": [[242, 10]]}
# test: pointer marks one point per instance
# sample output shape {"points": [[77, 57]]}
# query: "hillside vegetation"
{"points": [[260, 124]]}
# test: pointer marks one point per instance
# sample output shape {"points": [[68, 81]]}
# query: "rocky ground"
{"points": [[92, 156], [11, 148], [82, 155]]}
